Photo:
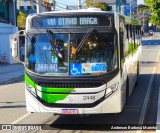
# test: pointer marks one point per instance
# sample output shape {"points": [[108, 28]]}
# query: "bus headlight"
{"points": [[110, 90], [31, 89]]}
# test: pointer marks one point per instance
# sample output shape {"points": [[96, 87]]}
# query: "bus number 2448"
{"points": [[91, 97]]}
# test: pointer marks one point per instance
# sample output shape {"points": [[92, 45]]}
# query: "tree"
{"points": [[103, 6], [143, 7], [154, 7], [21, 20]]}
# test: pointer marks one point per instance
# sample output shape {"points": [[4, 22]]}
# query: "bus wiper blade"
{"points": [[84, 39], [51, 39], [49, 32]]}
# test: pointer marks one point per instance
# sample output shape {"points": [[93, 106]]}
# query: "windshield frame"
{"points": [[69, 53]]}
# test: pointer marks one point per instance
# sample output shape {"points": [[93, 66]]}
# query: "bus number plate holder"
{"points": [[69, 111]]}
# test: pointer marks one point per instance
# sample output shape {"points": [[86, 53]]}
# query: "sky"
{"points": [[62, 3], [140, 1]]}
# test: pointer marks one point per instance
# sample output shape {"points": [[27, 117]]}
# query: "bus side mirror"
{"points": [[15, 49], [16, 45]]}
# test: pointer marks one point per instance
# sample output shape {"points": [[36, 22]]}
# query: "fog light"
{"points": [[31, 89]]}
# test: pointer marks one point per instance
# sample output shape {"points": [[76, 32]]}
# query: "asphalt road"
{"points": [[141, 108]]}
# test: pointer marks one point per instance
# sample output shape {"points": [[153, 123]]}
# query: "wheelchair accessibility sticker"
{"points": [[80, 69], [75, 69]]}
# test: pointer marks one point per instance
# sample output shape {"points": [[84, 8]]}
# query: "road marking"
{"points": [[21, 118], [141, 120], [158, 113], [158, 56], [147, 96]]}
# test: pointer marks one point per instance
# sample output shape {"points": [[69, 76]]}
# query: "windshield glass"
{"points": [[97, 55], [72, 54], [44, 57]]}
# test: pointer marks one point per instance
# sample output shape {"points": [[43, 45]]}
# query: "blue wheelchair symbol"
{"points": [[75, 69]]}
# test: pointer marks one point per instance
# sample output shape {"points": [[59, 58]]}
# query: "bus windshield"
{"points": [[72, 54]]}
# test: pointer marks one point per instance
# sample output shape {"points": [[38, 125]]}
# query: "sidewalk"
{"points": [[10, 71]]}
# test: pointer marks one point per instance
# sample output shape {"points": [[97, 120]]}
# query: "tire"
{"points": [[137, 68], [127, 91], [137, 73]]}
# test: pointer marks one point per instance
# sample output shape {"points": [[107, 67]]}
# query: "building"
{"points": [[7, 28], [26, 6], [126, 7], [30, 6], [144, 16], [130, 8]]}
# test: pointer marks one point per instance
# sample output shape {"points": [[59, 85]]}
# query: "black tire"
{"points": [[137, 73], [137, 68], [127, 91]]}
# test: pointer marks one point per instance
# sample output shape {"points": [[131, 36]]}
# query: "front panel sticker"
{"points": [[75, 69], [79, 69]]}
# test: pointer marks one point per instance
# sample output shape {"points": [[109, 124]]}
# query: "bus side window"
{"points": [[121, 45], [130, 31], [127, 31], [121, 37], [133, 37]]}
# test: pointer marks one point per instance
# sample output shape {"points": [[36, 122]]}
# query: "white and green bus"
{"points": [[80, 61]]}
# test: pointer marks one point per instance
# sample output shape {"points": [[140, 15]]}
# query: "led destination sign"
{"points": [[71, 21], [67, 22]]}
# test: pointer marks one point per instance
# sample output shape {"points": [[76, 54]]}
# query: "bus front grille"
{"points": [[70, 85]]}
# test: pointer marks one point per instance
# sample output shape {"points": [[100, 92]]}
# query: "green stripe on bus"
{"points": [[52, 98], [29, 81], [59, 90]]}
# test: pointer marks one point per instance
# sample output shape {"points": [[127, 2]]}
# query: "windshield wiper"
{"points": [[51, 39], [84, 39]]}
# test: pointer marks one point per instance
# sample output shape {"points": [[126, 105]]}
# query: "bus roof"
{"points": [[127, 19], [89, 10]]}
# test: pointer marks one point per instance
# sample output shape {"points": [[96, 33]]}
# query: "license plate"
{"points": [[69, 111]]}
